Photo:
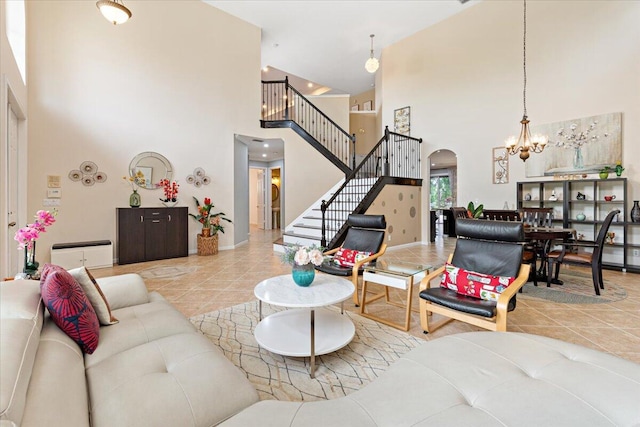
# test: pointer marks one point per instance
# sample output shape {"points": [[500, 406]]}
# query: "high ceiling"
{"points": [[327, 42]]}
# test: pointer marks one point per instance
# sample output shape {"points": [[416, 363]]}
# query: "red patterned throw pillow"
{"points": [[69, 307], [349, 257], [477, 285]]}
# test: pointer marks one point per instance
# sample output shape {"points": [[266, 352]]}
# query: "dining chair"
{"points": [[530, 252], [501, 215], [574, 253], [537, 217], [457, 212], [365, 234]]}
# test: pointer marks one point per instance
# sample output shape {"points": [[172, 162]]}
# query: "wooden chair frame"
{"points": [[496, 323], [355, 271]]}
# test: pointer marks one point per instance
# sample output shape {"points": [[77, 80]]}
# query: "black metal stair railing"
{"points": [[284, 106], [395, 159]]}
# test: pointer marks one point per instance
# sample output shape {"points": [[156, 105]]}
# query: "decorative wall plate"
{"points": [[100, 177], [87, 173], [75, 175], [198, 178], [88, 168]]}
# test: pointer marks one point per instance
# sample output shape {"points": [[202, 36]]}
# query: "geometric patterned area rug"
{"points": [[577, 289], [373, 349], [166, 271]]}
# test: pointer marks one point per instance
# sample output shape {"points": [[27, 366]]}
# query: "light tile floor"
{"points": [[229, 277]]}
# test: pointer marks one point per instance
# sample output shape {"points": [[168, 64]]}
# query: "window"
{"points": [[441, 194], [16, 30]]}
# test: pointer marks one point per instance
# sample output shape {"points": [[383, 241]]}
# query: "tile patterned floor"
{"points": [[229, 277]]}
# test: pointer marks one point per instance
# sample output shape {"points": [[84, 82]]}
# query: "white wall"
{"points": [[463, 81], [241, 193], [169, 80], [12, 90]]}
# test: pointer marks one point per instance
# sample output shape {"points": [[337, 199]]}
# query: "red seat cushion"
{"points": [[69, 307], [473, 284]]}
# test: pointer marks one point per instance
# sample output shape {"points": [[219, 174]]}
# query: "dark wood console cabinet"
{"points": [[147, 234]]}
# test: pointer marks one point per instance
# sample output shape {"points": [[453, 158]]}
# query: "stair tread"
{"points": [[313, 227], [303, 236]]}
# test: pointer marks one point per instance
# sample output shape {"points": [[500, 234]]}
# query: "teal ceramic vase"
{"points": [[303, 275]]}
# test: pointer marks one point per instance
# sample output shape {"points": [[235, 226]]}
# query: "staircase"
{"points": [[395, 159]]}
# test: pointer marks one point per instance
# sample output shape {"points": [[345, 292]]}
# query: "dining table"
{"points": [[544, 236]]}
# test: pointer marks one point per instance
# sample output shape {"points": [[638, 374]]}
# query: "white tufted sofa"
{"points": [[154, 369], [151, 369], [478, 379]]}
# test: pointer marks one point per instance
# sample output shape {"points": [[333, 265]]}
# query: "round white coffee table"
{"points": [[304, 331]]}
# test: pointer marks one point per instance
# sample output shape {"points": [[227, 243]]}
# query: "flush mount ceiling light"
{"points": [[525, 142], [372, 63], [114, 11]]}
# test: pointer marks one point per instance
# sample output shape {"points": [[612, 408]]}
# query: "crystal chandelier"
{"points": [[525, 143], [372, 63], [114, 11]]}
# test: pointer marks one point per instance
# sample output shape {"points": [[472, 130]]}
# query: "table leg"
{"points": [[313, 344], [407, 320], [260, 309]]}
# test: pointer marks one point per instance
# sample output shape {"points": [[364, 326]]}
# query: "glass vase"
{"points": [[134, 199], [578, 161], [30, 263], [635, 212], [303, 275]]}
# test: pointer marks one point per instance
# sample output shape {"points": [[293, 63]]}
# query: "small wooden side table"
{"points": [[207, 245], [394, 274]]}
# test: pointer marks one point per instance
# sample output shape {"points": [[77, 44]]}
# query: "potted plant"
{"points": [[604, 172], [473, 211], [211, 222]]}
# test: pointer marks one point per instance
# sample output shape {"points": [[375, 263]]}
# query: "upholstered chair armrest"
{"points": [[125, 290], [512, 289]]}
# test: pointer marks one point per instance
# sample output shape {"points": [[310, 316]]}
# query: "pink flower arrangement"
{"points": [[170, 189], [28, 234]]}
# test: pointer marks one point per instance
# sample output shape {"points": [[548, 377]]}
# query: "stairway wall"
{"points": [[401, 206]]}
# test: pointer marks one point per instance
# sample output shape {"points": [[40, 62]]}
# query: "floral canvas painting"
{"points": [[578, 146]]}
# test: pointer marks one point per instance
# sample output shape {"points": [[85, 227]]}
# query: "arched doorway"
{"points": [[443, 191]]}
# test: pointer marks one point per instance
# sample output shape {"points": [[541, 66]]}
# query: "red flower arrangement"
{"points": [[170, 189]]}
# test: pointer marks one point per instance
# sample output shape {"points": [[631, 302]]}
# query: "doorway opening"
{"points": [[443, 191]]}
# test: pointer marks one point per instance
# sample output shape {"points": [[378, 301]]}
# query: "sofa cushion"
{"points": [[125, 290], [478, 379], [178, 380], [473, 284], [57, 395], [21, 318], [95, 295], [138, 325], [70, 308]]}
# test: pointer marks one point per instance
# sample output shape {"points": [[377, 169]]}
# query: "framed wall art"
{"points": [[402, 121], [578, 146], [367, 106], [500, 165]]}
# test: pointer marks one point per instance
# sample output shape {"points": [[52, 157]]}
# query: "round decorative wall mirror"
{"points": [[148, 168]]}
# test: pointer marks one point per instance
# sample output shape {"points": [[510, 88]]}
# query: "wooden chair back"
{"points": [[537, 217]]}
